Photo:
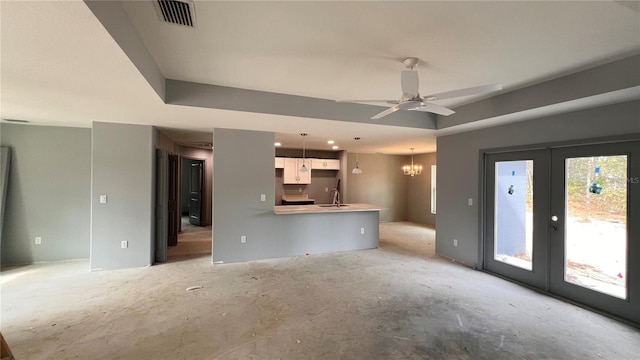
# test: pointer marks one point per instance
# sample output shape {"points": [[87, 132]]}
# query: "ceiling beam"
{"points": [[117, 23], [616, 79], [221, 97]]}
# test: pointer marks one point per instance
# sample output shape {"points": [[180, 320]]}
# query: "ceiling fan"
{"points": [[411, 99]]}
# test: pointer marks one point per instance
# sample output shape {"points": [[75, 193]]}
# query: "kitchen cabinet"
{"points": [[325, 164], [279, 163], [292, 173]]}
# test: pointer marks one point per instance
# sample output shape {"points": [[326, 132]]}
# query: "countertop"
{"points": [[315, 209]]}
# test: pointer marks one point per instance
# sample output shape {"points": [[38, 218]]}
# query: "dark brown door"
{"points": [[195, 192], [174, 215]]}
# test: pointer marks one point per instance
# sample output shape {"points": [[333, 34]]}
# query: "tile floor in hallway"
{"points": [[400, 301]]}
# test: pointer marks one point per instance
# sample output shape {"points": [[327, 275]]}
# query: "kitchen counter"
{"points": [[323, 208], [297, 200]]}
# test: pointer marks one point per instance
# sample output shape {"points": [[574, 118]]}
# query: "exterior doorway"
{"points": [[558, 219]]}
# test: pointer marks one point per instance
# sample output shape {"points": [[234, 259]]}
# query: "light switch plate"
{"points": [[470, 201], [38, 240]]}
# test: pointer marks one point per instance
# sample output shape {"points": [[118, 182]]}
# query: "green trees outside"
{"points": [[607, 172]]}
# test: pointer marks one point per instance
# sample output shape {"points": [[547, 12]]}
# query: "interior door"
{"points": [[161, 206], [196, 179], [595, 233], [516, 199], [172, 201]]}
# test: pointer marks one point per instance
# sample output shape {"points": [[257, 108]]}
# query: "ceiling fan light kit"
{"points": [[411, 99]]}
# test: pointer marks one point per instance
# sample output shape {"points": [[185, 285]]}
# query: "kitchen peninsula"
{"points": [[323, 208], [352, 226]]}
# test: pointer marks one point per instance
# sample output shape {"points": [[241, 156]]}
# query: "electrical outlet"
{"points": [[263, 197], [470, 201], [243, 239], [299, 190], [361, 230], [124, 244], [326, 189], [103, 199], [455, 242], [38, 240]]}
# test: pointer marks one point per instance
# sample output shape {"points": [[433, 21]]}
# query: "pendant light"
{"points": [[356, 170], [303, 168], [412, 169]]}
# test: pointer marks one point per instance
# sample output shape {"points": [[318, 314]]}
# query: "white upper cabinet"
{"points": [[292, 173], [325, 164], [279, 163]]}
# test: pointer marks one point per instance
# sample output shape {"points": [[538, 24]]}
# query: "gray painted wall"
{"points": [[48, 193], [381, 183], [123, 169], [243, 169], [459, 165], [419, 191]]}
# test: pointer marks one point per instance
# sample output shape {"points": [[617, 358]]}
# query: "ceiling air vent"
{"points": [[179, 12]]}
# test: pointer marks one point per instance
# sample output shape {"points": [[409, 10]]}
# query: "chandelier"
{"points": [[412, 169]]}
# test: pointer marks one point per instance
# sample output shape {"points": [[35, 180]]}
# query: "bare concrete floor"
{"points": [[396, 302]]}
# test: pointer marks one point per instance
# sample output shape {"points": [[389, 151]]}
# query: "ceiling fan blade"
{"points": [[464, 92], [369, 101], [433, 108], [410, 82], [390, 110]]}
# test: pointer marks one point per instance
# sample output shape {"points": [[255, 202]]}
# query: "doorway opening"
{"points": [[558, 219], [184, 186], [194, 222]]}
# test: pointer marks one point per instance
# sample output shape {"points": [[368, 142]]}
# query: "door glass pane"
{"points": [[513, 239], [596, 223]]}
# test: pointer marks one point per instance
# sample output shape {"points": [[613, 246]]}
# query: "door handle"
{"points": [[554, 228]]}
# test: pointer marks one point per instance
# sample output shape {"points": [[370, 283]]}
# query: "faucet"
{"points": [[336, 197]]}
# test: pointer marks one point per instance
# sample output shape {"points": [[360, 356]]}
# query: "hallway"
{"points": [[193, 241]]}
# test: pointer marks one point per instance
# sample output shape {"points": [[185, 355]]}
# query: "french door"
{"points": [[560, 219], [517, 203]]}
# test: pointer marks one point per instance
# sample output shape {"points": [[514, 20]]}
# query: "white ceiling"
{"points": [[61, 67]]}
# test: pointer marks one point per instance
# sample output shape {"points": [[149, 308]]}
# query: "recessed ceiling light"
{"points": [[335, 147], [277, 144], [331, 142]]}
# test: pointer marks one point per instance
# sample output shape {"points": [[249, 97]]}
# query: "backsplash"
{"points": [[320, 180]]}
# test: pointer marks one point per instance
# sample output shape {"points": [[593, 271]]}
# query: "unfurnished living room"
{"points": [[187, 179]]}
